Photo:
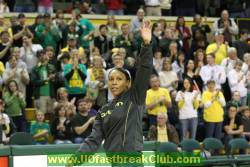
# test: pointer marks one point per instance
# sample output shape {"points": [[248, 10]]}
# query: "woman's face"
{"points": [[181, 21], [181, 57], [13, 62], [12, 87], [186, 84], [117, 83], [98, 62], [200, 56], [190, 65], [157, 55], [167, 66], [61, 112], [63, 95], [238, 67]]}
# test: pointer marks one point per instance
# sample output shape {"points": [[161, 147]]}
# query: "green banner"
{"points": [[126, 159]]}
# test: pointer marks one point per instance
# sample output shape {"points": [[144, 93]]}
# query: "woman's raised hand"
{"points": [[146, 33]]}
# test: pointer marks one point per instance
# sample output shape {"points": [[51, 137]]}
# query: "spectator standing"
{"points": [[229, 62], [227, 26], [166, 7], [214, 72], [237, 81], [188, 103], [5, 45], [157, 99], [43, 78], [200, 24], [125, 40], [48, 34], [168, 78], [75, 74], [136, 22], [113, 29], [28, 52], [218, 48], [19, 74], [213, 101], [184, 33], [15, 104]]}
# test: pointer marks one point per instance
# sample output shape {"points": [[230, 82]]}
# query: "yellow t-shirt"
{"points": [[152, 96], [220, 54], [162, 134], [215, 112]]}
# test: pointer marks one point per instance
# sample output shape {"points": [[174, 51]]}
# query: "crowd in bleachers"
{"points": [[61, 69], [212, 8]]}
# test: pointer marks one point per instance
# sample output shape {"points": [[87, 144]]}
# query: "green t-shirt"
{"points": [[44, 90], [37, 127]]}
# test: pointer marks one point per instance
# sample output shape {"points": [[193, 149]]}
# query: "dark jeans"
{"points": [[213, 129], [20, 123], [189, 125]]}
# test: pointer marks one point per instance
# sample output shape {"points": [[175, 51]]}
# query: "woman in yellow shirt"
{"points": [[213, 101]]}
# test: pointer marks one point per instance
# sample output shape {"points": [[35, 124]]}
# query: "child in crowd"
{"points": [[39, 129]]}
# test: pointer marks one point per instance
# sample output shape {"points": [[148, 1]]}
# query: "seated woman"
{"points": [[60, 126], [62, 98], [164, 131], [232, 125], [40, 129]]}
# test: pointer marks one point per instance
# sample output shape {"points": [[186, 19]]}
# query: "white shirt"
{"points": [[188, 110], [228, 64], [29, 57], [245, 68], [17, 77], [20, 64], [215, 72], [167, 78], [235, 85]]}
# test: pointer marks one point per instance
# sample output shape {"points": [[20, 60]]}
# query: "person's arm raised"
{"points": [[145, 65]]}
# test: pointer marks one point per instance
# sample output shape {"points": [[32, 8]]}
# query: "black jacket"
{"points": [[119, 122]]}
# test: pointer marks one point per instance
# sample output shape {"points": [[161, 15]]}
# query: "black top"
{"points": [[79, 120], [119, 122], [61, 135], [5, 58], [237, 122], [15, 30], [246, 124]]}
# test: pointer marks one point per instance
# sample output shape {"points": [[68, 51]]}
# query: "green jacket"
{"points": [[51, 38], [13, 104], [37, 82]]}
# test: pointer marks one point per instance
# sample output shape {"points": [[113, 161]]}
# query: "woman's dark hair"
{"points": [[196, 57], [58, 108], [177, 22], [8, 85], [122, 70], [39, 53], [177, 59], [191, 85], [186, 66]]}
